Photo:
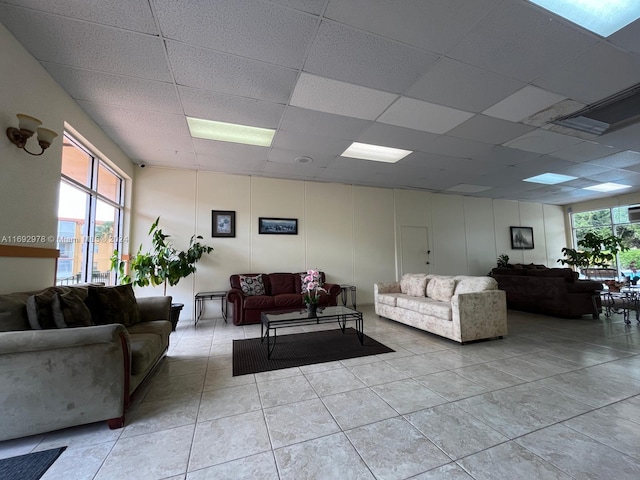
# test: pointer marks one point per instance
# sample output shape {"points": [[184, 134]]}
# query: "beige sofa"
{"points": [[53, 376], [461, 308]]}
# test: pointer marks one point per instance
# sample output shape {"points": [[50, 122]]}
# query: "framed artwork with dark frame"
{"points": [[521, 238], [223, 223], [277, 226]]}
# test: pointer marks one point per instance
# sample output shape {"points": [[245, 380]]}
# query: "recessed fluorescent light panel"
{"points": [[603, 17], [376, 153], [549, 178], [230, 132], [607, 187]]}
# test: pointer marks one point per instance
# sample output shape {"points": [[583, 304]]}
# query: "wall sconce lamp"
{"points": [[27, 126]]}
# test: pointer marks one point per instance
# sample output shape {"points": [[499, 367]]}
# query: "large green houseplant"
{"points": [[594, 250], [162, 265]]}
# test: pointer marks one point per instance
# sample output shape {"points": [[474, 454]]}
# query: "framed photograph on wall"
{"points": [[521, 238], [278, 226], [223, 223]]}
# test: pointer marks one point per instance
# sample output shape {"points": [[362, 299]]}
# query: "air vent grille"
{"points": [[615, 112]]}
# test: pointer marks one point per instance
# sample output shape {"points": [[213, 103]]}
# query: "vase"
{"points": [[312, 309]]}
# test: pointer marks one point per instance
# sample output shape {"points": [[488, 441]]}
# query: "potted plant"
{"points": [[596, 250], [503, 260], [163, 265], [311, 288]]}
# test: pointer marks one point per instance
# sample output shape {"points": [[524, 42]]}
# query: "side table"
{"points": [[352, 293], [198, 304]]}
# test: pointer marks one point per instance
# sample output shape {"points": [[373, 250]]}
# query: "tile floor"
{"points": [[556, 399]]}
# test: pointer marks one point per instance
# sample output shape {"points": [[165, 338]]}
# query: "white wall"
{"points": [[350, 232], [29, 184]]}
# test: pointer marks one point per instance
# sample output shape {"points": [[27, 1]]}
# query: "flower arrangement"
{"points": [[312, 287]]}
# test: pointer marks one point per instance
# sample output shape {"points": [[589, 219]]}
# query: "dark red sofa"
{"points": [[282, 291], [549, 291]]}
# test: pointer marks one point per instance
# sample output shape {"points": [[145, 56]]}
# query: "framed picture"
{"points": [[278, 226], [521, 238], [223, 223]]}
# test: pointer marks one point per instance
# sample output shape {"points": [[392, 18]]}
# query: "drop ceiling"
{"points": [[470, 86]]}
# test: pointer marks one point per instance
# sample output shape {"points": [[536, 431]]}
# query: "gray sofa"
{"points": [[59, 368]]}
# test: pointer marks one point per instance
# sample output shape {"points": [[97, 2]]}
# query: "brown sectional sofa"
{"points": [[549, 291], [55, 376], [278, 291]]}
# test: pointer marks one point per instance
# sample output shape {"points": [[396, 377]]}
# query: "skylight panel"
{"points": [[550, 178], [607, 187], [230, 132], [604, 17], [365, 151]]}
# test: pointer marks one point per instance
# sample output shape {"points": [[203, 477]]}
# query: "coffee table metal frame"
{"points": [[272, 321]]}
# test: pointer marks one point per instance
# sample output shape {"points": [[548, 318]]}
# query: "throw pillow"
{"points": [[115, 304], [414, 284], [39, 309], [69, 310], [252, 285], [441, 289]]}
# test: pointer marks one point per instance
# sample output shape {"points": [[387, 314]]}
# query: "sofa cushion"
{"points": [[13, 312], [252, 285], [145, 349], [69, 310], [441, 310], [288, 300], [258, 302], [441, 288], [282, 283], [467, 284], [113, 304], [414, 284], [390, 299]]}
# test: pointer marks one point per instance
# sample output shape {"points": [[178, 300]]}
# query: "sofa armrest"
{"points": [[235, 297], [388, 287], [24, 341], [53, 379], [333, 291], [154, 308], [480, 315]]}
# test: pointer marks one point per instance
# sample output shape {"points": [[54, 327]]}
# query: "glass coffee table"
{"points": [[272, 321]]}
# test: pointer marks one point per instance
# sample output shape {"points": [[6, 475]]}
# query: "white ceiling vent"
{"points": [[612, 113]]}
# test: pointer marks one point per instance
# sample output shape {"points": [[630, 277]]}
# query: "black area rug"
{"points": [[296, 350], [31, 466]]}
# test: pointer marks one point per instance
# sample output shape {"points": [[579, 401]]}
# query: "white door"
{"points": [[414, 245]]}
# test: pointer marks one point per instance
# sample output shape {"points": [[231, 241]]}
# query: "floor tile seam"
{"points": [[600, 442]]}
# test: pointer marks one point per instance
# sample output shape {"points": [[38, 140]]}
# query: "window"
{"points": [[611, 221], [90, 216]]}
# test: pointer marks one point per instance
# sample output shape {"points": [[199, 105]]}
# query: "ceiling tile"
{"points": [[458, 85], [396, 137], [457, 147], [618, 160], [628, 37], [230, 151], [542, 141], [310, 6], [130, 14], [226, 164], [419, 115], [521, 42], [584, 151], [288, 157], [523, 103], [310, 143], [142, 122], [219, 72], [249, 28], [229, 108], [581, 170], [325, 124], [150, 140], [434, 26], [57, 39], [506, 156], [489, 130], [100, 87], [598, 73], [340, 98], [365, 59]]}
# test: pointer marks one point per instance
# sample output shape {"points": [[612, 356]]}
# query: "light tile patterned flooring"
{"points": [[555, 399]]}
